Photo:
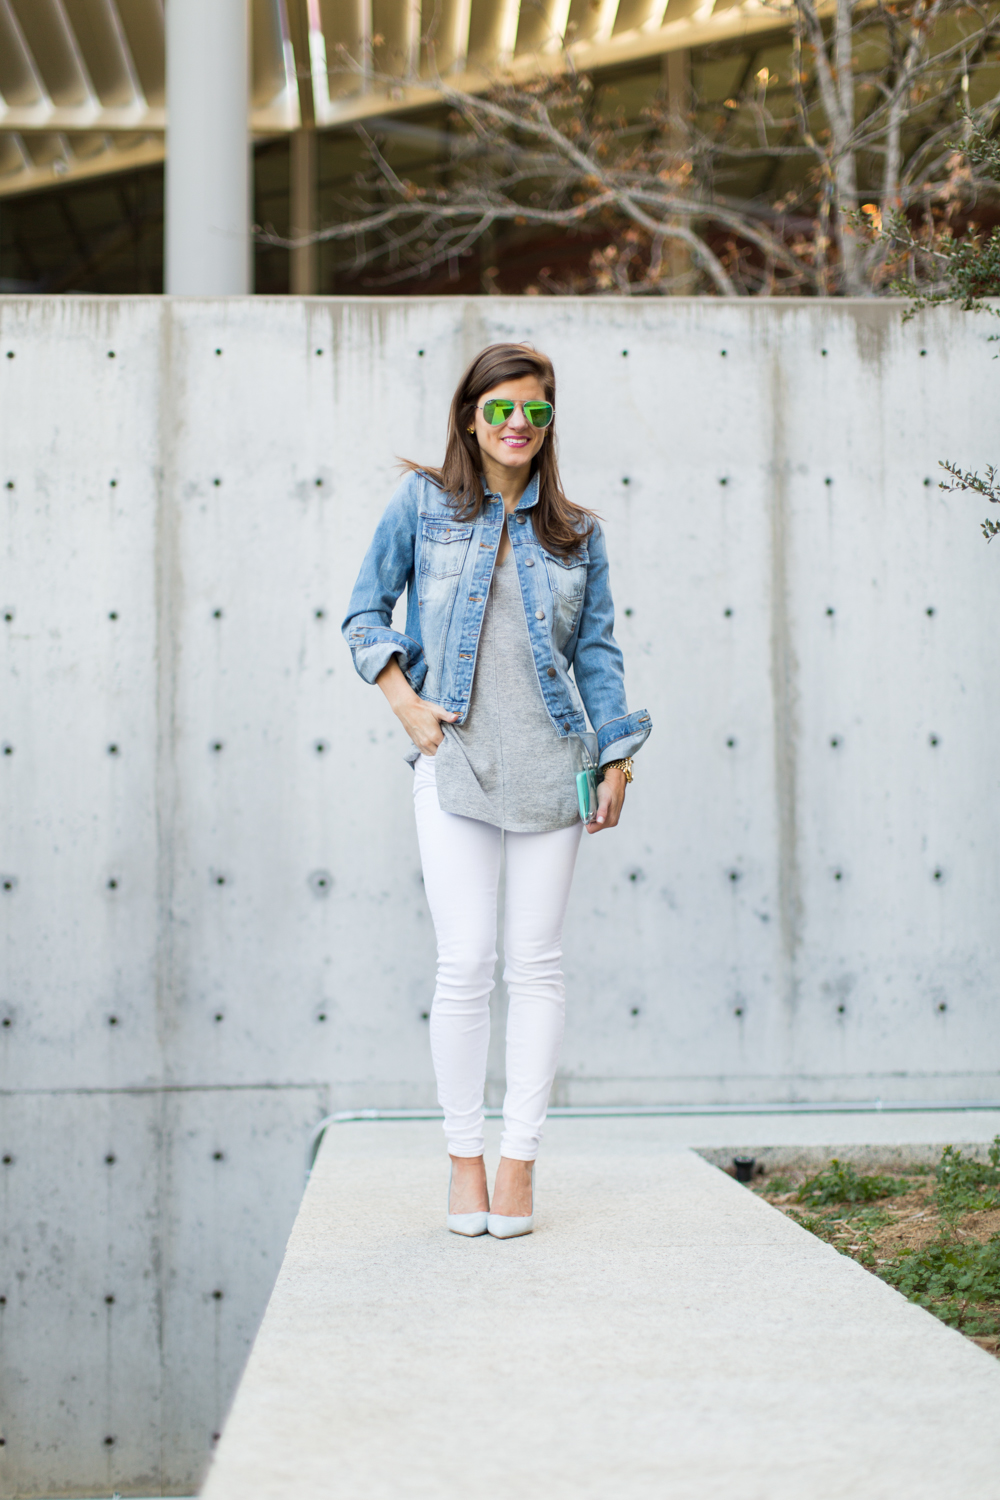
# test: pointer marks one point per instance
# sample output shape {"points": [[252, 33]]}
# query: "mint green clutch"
{"points": [[586, 793]]}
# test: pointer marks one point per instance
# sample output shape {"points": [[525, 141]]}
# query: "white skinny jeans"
{"points": [[461, 863]]}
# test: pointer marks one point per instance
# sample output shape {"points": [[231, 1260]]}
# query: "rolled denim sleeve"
{"points": [[598, 666], [385, 573]]}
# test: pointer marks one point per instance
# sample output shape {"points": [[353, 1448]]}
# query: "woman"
{"points": [[507, 589]]}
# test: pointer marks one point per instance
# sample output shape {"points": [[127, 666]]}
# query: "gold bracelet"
{"points": [[625, 766]]}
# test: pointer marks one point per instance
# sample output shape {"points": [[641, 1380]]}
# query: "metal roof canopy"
{"points": [[83, 82]]}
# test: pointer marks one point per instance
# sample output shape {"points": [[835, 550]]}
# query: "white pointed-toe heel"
{"points": [[468, 1224], [503, 1227]]}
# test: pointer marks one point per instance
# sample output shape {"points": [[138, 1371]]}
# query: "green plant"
{"points": [[965, 1185], [778, 1185], [951, 1278], [840, 1183]]}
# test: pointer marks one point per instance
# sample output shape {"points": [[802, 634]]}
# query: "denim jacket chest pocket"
{"points": [[443, 548], [568, 575]]}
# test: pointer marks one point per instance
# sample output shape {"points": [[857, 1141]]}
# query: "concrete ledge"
{"points": [[663, 1332]]}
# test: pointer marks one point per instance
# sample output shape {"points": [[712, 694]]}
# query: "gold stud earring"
{"points": [[470, 431]]}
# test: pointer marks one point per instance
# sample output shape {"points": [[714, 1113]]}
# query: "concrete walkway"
{"points": [[663, 1333]]}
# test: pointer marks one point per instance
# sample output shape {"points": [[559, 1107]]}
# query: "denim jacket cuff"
{"points": [[373, 647], [620, 738]]}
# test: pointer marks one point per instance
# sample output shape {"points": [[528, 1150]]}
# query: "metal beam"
{"points": [[208, 149]]}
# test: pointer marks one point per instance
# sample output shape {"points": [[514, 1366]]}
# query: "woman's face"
{"points": [[516, 442]]}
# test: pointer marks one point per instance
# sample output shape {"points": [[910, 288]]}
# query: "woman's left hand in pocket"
{"points": [[610, 801]]}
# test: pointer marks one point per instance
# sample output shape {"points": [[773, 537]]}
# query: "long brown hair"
{"points": [[559, 524]]}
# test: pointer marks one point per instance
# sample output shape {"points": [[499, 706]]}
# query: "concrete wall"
{"points": [[215, 930]]}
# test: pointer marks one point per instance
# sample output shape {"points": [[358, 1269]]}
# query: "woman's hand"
{"points": [[422, 721], [610, 801]]}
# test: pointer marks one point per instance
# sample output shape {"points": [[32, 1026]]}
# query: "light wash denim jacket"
{"points": [[446, 566]]}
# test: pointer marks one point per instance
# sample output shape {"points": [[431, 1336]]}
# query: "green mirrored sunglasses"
{"points": [[538, 413]]}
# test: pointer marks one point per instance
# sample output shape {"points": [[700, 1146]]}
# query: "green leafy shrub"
{"points": [[950, 1277], [965, 1185], [841, 1184]]}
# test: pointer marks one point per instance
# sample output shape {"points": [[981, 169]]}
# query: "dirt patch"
{"points": [[934, 1233]]}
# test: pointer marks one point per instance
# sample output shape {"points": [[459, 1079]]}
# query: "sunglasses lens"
{"points": [[538, 413], [498, 412]]}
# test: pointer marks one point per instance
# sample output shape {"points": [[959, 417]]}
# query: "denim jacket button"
{"points": [[539, 614], [529, 562], [552, 671], [521, 520]]}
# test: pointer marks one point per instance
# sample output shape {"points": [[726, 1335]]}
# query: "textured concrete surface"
{"points": [[205, 945], [663, 1333]]}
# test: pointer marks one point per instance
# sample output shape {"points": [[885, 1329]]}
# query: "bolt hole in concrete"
{"points": [[838, 874], [112, 749], [626, 480], [734, 875], [218, 351], [938, 874], [110, 1159], [217, 746], [112, 1020], [8, 749], [321, 614], [321, 882], [109, 1299], [834, 742], [723, 481], [9, 485], [425, 1015], [728, 613], [112, 885], [829, 609], [828, 480], [112, 614], [321, 1016], [8, 615], [113, 483], [216, 482], [841, 1009], [629, 613], [320, 747], [6, 1021], [823, 352], [8, 1161], [111, 354], [10, 354], [218, 1156], [217, 1295], [930, 609], [731, 743], [319, 351], [218, 1016], [216, 614], [933, 739]]}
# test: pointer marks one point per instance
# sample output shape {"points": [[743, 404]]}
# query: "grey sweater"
{"points": [[507, 765]]}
